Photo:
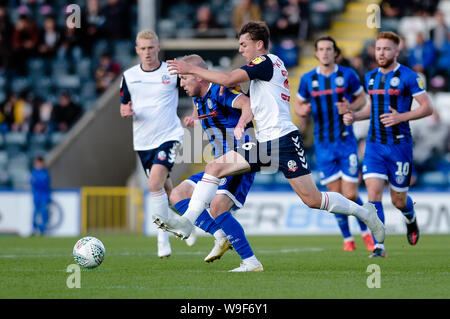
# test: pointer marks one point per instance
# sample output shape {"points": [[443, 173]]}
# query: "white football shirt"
{"points": [[270, 97], [154, 98]]}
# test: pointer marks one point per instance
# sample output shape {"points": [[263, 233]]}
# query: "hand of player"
{"points": [[178, 67], [348, 118], [343, 107], [390, 119], [189, 121], [126, 110], [239, 131], [304, 109]]}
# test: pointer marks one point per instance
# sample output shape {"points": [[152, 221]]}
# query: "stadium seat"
{"points": [[56, 138], [20, 84], [15, 140], [36, 66], [2, 141], [4, 179], [59, 67], [38, 141], [3, 160], [66, 81], [84, 69], [20, 178]]}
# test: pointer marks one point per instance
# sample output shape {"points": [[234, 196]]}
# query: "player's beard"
{"points": [[386, 64]]}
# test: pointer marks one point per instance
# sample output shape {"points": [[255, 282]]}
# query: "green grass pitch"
{"points": [[294, 267]]}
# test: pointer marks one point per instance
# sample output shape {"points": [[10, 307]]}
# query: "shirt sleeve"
{"points": [[260, 68], [228, 97], [303, 92], [125, 96], [354, 84], [415, 84]]}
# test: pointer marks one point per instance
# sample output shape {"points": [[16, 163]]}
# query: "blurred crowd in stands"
{"points": [[50, 71]]}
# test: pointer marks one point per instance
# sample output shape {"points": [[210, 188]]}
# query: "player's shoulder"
{"points": [[308, 75], [132, 72], [346, 70], [403, 69], [370, 73]]}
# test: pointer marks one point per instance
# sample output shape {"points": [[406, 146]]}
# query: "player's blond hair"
{"points": [[195, 59], [147, 35]]}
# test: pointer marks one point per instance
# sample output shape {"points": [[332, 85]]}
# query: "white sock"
{"points": [[251, 259], [219, 234], [203, 194], [163, 236], [159, 204], [338, 204], [378, 245]]}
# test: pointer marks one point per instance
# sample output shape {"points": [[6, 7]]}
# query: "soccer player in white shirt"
{"points": [[149, 95], [269, 99]]}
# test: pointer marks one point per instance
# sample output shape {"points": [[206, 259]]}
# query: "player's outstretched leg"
{"points": [[203, 194], [336, 203], [365, 232], [379, 250]]}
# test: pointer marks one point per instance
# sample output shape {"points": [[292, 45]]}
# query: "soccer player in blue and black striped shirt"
{"points": [[388, 155], [321, 92]]}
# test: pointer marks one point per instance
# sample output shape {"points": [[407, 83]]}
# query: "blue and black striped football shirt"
{"points": [[219, 118], [396, 89], [323, 92]]}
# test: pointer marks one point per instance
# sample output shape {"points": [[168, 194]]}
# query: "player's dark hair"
{"points": [[327, 38], [257, 30]]}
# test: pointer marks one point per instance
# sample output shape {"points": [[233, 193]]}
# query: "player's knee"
{"points": [[175, 197], [313, 200], [213, 169], [399, 201], [351, 195], [156, 184]]}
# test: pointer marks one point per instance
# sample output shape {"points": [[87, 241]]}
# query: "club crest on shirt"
{"points": [[371, 81], [339, 81], [258, 60], [209, 103], [165, 79], [292, 166], [162, 156], [395, 81], [420, 83], [315, 84], [223, 181], [400, 179]]}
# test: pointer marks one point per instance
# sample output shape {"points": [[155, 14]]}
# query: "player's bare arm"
{"points": [[352, 116], [189, 121], [126, 110], [242, 102], [345, 106], [227, 79], [303, 109], [425, 109]]}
